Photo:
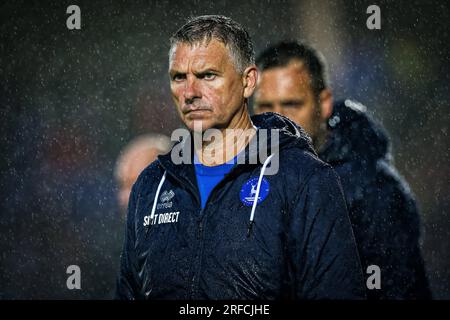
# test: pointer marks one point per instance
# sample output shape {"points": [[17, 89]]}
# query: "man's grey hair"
{"points": [[203, 29]]}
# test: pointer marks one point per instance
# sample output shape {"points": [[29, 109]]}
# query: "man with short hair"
{"points": [[293, 82], [217, 225]]}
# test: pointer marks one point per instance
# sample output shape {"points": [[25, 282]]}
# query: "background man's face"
{"points": [[129, 169], [287, 91], [205, 85]]}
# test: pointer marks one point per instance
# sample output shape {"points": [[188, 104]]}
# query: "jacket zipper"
{"points": [[198, 257], [200, 230], [199, 253]]}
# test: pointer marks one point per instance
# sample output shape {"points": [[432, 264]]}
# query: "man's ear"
{"points": [[249, 78], [326, 104]]}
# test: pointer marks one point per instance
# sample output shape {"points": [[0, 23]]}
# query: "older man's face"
{"points": [[206, 87]]}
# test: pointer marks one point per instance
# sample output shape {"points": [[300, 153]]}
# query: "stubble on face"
{"points": [[205, 85]]}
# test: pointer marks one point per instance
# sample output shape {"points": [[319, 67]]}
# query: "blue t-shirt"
{"points": [[209, 177]]}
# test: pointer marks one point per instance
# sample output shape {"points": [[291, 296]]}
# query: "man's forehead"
{"points": [[199, 54], [294, 67], [286, 82], [293, 74]]}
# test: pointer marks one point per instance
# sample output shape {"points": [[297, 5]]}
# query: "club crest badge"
{"points": [[248, 191]]}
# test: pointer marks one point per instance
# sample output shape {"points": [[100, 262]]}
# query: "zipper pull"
{"points": [[249, 230]]}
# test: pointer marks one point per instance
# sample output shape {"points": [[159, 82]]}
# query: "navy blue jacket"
{"points": [[381, 206], [300, 245]]}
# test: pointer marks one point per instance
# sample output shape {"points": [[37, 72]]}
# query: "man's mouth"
{"points": [[197, 114], [196, 110]]}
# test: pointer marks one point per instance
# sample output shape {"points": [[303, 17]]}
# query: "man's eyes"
{"points": [[181, 76], [264, 106], [287, 105], [207, 76], [292, 104], [178, 77]]}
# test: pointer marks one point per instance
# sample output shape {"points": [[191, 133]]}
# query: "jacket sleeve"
{"points": [[326, 260], [127, 282], [390, 232]]}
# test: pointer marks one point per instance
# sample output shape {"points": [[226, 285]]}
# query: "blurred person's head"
{"points": [[134, 158], [293, 82], [212, 72]]}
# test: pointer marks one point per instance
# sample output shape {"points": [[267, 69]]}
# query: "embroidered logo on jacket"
{"points": [[161, 218], [165, 198], [248, 191]]}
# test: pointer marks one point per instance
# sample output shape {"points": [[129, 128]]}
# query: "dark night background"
{"points": [[71, 99]]}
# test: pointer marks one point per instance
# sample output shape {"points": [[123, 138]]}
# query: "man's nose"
{"points": [[277, 108], [192, 90]]}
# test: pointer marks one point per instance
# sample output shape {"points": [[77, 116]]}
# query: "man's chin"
{"points": [[199, 126]]}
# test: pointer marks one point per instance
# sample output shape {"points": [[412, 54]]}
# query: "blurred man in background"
{"points": [[137, 155], [384, 216]]}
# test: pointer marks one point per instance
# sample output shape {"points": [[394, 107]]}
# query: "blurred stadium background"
{"points": [[70, 100]]}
